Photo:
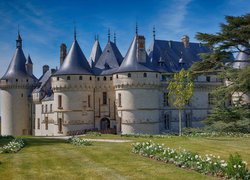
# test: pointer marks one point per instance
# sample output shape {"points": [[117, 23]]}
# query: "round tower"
{"points": [[16, 86], [73, 87], [137, 89]]}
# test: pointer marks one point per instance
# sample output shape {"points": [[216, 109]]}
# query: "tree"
{"points": [[233, 38], [233, 35], [180, 91]]}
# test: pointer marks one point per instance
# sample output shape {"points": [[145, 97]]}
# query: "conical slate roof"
{"points": [[242, 59], [29, 60], [16, 67], [95, 53], [130, 62], [110, 57], [75, 62]]}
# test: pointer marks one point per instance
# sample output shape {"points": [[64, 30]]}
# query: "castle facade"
{"points": [[107, 92]]}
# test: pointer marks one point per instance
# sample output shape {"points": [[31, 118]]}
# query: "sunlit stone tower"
{"points": [[16, 86]]}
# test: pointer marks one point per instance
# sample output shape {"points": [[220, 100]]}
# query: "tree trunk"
{"points": [[180, 122]]}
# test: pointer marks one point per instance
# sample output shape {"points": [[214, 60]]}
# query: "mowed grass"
{"points": [[55, 159]]}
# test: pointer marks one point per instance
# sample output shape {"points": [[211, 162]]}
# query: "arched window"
{"points": [[144, 74], [129, 75]]}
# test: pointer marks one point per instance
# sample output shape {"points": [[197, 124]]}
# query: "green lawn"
{"points": [[55, 159]]}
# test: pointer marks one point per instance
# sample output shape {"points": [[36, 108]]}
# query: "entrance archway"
{"points": [[105, 124]]}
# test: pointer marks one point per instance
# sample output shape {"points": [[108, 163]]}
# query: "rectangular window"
{"points": [[210, 99], [165, 99], [104, 98], [208, 78], [46, 123], [50, 107], [38, 123], [42, 108], [59, 101], [46, 108], [188, 120], [89, 98], [119, 99], [167, 121]]}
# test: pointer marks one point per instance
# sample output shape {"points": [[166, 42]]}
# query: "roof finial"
{"points": [[114, 38], [75, 33], [136, 28], [19, 39], [154, 32], [109, 35]]}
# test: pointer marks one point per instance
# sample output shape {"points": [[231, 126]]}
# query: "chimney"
{"points": [[185, 41], [45, 68], [63, 53], [141, 52]]}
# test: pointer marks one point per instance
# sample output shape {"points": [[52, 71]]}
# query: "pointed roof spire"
{"points": [[154, 32], [75, 32], [19, 39], [29, 61], [109, 35], [114, 37], [136, 28]]}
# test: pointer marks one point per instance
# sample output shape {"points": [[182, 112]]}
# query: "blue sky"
{"points": [[45, 24]]}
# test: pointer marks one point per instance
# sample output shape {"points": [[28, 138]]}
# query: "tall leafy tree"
{"points": [[180, 91]]}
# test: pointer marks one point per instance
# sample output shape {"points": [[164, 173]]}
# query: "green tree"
{"points": [[233, 35], [180, 90]]}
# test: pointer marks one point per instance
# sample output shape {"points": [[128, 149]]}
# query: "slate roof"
{"points": [[130, 62], [16, 68], [43, 80], [174, 55], [95, 53], [75, 62], [242, 59], [109, 60]]}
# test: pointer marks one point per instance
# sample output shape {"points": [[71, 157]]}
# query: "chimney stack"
{"points": [[141, 52], [45, 68], [63, 53], [185, 41]]}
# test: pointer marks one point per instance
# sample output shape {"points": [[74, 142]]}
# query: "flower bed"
{"points": [[209, 164], [13, 146], [80, 142]]}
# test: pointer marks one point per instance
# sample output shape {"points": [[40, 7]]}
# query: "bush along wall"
{"points": [[13, 146], [234, 167]]}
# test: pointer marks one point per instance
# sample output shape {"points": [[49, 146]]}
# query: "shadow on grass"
{"points": [[43, 141]]}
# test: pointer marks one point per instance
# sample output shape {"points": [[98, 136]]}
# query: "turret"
{"points": [[73, 86], [45, 68], [29, 66], [95, 53], [137, 91], [16, 86]]}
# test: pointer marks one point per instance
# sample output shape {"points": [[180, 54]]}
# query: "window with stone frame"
{"points": [[188, 122], [89, 101], [59, 101], [165, 99], [38, 123], [104, 98], [119, 99], [167, 121], [46, 120]]}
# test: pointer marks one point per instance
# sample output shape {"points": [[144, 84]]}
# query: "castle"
{"points": [[107, 92]]}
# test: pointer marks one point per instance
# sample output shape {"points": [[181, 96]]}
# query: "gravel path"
{"points": [[96, 140]]}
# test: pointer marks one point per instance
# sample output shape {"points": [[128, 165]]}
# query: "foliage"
{"points": [[7, 137], [13, 146], [208, 164], [180, 89], [93, 133], [80, 142], [233, 34]]}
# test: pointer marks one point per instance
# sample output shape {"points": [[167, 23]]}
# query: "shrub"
{"points": [[13, 146], [80, 142], [7, 137], [93, 133], [209, 164]]}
